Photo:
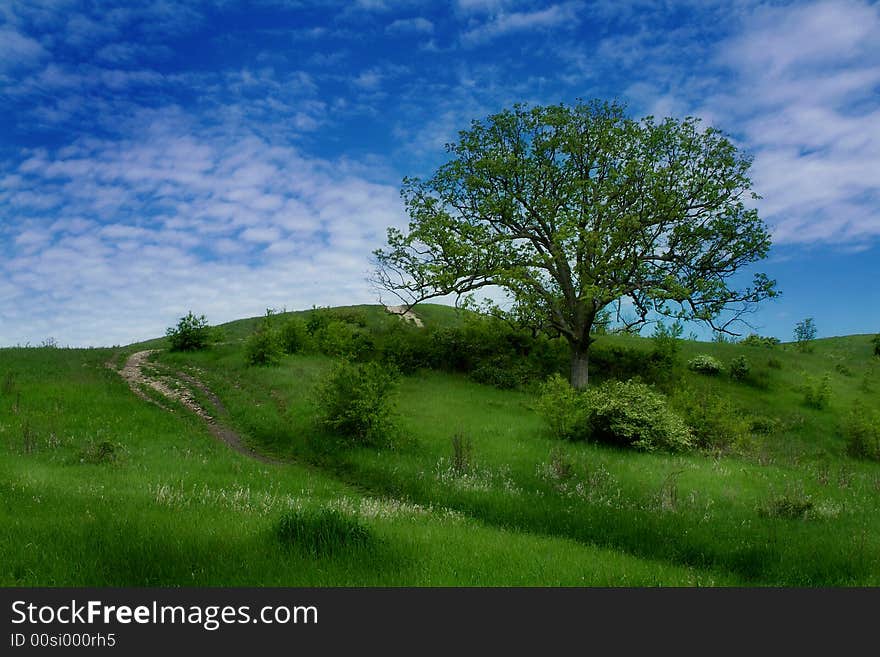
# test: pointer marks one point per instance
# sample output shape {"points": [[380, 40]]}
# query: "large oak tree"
{"points": [[576, 209]]}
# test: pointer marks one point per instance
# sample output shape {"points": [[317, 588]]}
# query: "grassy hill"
{"points": [[100, 487]]}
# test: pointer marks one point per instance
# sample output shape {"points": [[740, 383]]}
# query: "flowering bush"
{"points": [[625, 413], [705, 364]]}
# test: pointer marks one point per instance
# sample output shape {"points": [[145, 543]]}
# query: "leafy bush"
{"points": [[755, 340], [713, 421], [263, 346], [293, 336], [487, 350], [739, 368], [317, 319], [817, 394], [625, 413], [665, 347], [774, 363], [632, 414], [876, 342], [354, 400], [705, 364], [355, 316], [861, 428], [562, 408], [343, 340], [501, 374], [191, 333], [612, 361], [321, 532], [404, 347]]}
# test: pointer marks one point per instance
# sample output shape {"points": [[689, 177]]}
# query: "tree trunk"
{"points": [[580, 367]]}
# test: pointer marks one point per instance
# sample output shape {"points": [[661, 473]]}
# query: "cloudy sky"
{"points": [[226, 157]]}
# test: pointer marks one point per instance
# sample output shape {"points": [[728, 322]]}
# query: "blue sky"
{"points": [[226, 157]]}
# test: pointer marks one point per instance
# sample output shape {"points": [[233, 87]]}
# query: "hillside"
{"points": [[101, 487]]}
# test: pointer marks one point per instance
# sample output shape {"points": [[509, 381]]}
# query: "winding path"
{"points": [[137, 374]]}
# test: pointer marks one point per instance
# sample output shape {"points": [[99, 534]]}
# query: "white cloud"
{"points": [[128, 53], [481, 6], [369, 80], [804, 94], [416, 25], [125, 236], [501, 23], [18, 50]]}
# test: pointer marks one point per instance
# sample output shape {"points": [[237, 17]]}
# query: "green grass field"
{"points": [[101, 488]]}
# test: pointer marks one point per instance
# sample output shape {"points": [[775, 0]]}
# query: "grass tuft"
{"points": [[322, 532]]}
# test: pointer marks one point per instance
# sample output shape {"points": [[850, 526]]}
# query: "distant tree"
{"points": [[805, 333], [575, 210], [876, 341], [191, 333]]}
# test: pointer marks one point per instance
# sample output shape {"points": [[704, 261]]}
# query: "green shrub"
{"points": [[665, 348], [705, 364], [317, 319], [774, 363], [354, 316], [404, 347], [861, 428], [500, 373], [343, 340], [613, 361], [191, 333], [632, 414], [293, 336], [488, 350], [739, 368], [817, 394], [755, 340], [263, 346], [876, 342], [562, 408], [623, 413], [322, 532], [713, 421], [354, 400]]}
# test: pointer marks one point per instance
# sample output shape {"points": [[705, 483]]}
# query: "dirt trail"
{"points": [[141, 374]]}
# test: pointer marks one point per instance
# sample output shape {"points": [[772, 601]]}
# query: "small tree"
{"points": [[804, 334], [191, 333], [876, 341]]}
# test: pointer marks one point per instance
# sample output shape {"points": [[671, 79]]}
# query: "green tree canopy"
{"points": [[574, 210]]}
